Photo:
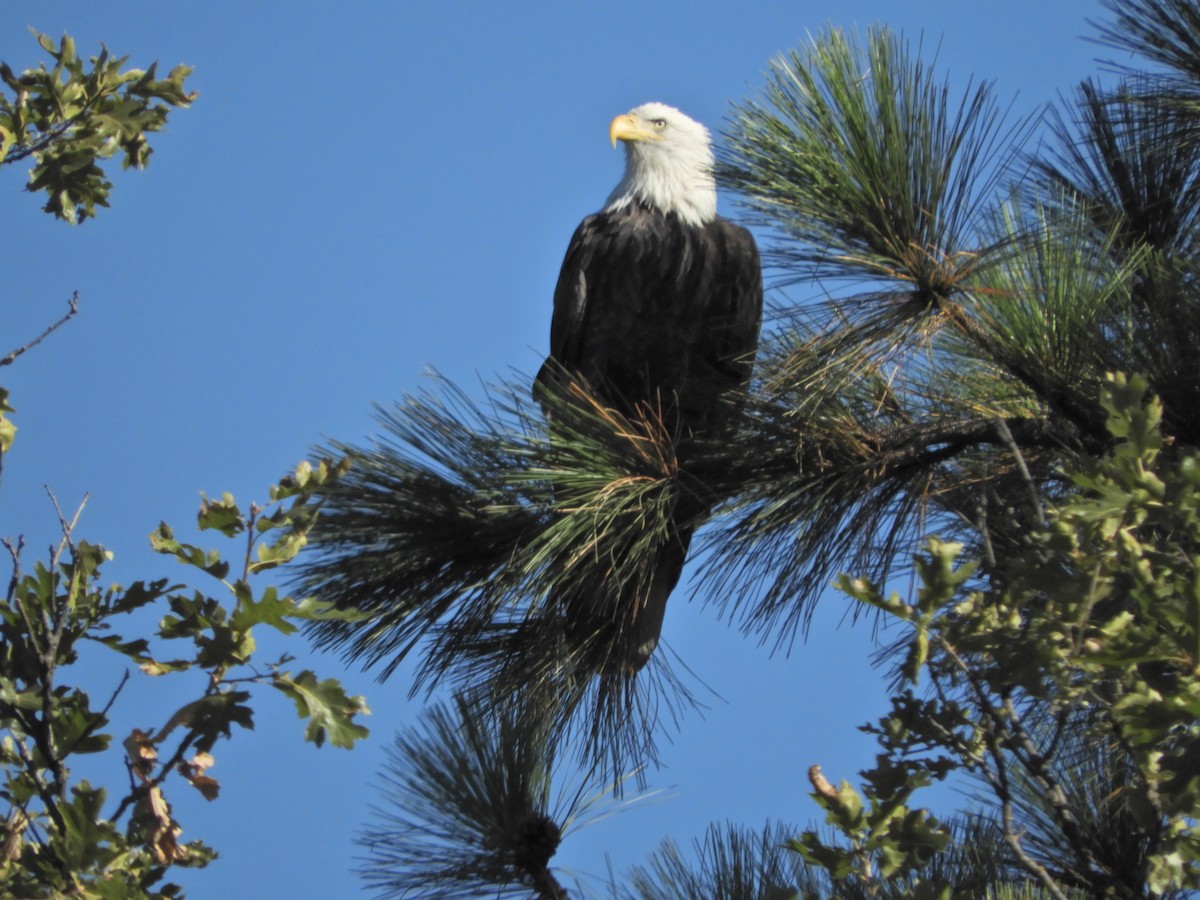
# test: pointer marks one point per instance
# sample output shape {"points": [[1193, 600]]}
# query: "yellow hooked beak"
{"points": [[628, 127]]}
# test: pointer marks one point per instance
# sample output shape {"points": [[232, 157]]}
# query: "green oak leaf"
{"points": [[326, 706]]}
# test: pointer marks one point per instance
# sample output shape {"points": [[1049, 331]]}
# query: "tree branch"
{"points": [[1036, 763], [997, 726], [15, 597], [46, 140], [102, 717], [72, 309], [547, 885], [1036, 501]]}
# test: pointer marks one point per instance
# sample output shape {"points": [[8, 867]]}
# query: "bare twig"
{"points": [[72, 309], [1005, 734], [1037, 764], [1006, 435], [100, 719], [997, 776], [57, 611], [68, 528], [15, 553]]}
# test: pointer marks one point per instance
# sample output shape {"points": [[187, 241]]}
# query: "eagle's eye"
{"points": [[659, 124]]}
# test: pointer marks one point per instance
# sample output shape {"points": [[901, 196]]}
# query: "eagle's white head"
{"points": [[668, 163]]}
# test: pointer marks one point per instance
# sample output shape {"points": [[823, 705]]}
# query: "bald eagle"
{"points": [[657, 312]]}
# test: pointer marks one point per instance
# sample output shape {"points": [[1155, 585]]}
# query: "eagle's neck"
{"points": [[680, 182]]}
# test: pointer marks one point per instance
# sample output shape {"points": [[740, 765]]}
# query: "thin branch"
{"points": [[933, 442], [49, 800], [68, 528], [142, 788], [56, 612], [15, 597], [43, 735], [1036, 763], [1036, 501], [102, 717], [46, 139], [999, 724], [72, 309], [985, 532], [1013, 839], [547, 885], [251, 536], [37, 731]]}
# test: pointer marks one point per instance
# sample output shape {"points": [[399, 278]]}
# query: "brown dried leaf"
{"points": [[821, 784], [206, 785], [164, 830], [193, 770], [14, 828], [142, 753]]}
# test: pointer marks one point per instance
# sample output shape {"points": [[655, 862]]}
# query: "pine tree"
{"points": [[1004, 357]]}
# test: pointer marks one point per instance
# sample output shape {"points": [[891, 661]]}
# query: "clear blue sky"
{"points": [[362, 191]]}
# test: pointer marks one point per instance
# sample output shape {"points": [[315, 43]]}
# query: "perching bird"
{"points": [[657, 312]]}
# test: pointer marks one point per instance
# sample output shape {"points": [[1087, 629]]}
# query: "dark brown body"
{"points": [[652, 313]]}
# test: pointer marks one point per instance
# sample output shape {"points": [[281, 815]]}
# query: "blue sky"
{"points": [[361, 192]]}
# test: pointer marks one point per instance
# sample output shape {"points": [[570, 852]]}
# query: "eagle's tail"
{"points": [[638, 645], [618, 635]]}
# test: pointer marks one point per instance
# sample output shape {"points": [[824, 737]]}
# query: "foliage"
{"points": [[461, 527], [68, 118], [888, 168], [471, 807], [65, 836], [62, 835], [1067, 685], [735, 863]]}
